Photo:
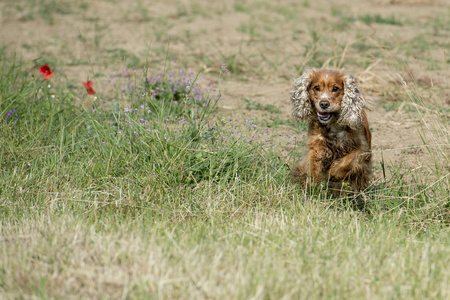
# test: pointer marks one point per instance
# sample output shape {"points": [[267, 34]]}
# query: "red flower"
{"points": [[88, 85], [46, 71]]}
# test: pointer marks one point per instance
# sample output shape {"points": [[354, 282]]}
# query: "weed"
{"points": [[240, 6], [258, 106], [181, 9], [390, 20], [249, 28], [234, 62], [117, 55]]}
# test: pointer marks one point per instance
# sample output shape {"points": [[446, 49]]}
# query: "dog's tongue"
{"points": [[323, 115]]}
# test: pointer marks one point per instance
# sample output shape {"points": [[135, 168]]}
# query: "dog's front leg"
{"points": [[354, 167], [311, 169]]}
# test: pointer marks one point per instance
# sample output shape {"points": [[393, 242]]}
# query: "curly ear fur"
{"points": [[301, 104], [352, 104]]}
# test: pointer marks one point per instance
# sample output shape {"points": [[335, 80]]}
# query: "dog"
{"points": [[339, 138]]}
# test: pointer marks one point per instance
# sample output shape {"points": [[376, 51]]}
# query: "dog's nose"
{"points": [[324, 104]]}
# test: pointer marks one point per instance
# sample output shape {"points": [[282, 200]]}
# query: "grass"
{"points": [[47, 9], [390, 20], [146, 190], [250, 104], [117, 201], [369, 19]]}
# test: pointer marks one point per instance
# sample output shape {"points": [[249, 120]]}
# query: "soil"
{"points": [[264, 46]]}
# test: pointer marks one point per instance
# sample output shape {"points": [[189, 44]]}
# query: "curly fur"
{"points": [[339, 139], [351, 106], [302, 109]]}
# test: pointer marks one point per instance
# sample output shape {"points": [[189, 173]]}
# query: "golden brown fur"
{"points": [[339, 139]]}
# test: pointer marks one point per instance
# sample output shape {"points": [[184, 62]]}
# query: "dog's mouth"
{"points": [[324, 117]]}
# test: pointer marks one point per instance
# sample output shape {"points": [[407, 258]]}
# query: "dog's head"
{"points": [[327, 96]]}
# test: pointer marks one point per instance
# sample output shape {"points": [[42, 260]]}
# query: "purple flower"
{"points": [[8, 114]]}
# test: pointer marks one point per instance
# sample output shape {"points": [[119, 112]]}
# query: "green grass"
{"points": [[250, 104], [145, 192], [175, 202], [376, 18], [47, 9], [345, 20]]}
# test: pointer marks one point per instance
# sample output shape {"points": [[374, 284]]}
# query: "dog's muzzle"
{"points": [[323, 116]]}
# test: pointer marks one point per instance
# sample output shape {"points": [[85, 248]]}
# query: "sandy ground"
{"points": [[265, 45]]}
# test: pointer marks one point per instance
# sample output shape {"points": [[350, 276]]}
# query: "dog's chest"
{"points": [[340, 142], [337, 136]]}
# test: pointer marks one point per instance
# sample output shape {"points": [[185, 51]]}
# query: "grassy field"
{"points": [[171, 182]]}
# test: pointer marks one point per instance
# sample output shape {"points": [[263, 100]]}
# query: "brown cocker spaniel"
{"points": [[339, 139]]}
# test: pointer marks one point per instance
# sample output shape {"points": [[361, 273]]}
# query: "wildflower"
{"points": [[89, 87], [46, 71], [8, 114]]}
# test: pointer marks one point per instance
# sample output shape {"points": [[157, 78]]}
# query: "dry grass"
{"points": [[83, 219], [298, 253]]}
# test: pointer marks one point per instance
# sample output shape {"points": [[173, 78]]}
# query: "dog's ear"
{"points": [[301, 104], [352, 104]]}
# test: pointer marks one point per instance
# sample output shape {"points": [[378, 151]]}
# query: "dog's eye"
{"points": [[335, 89], [317, 88]]}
